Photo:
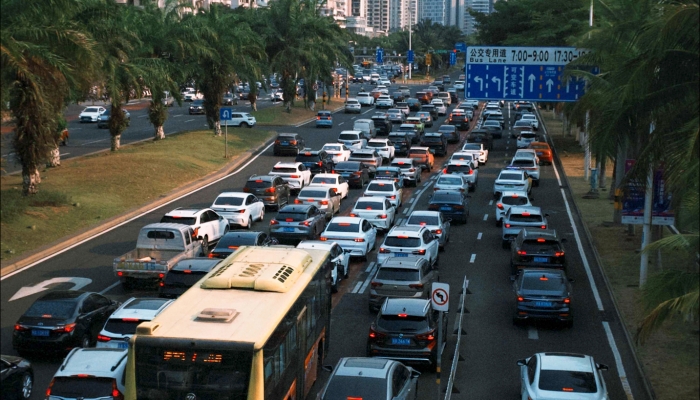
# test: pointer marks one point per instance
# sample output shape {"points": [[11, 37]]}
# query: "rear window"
{"points": [[525, 218], [430, 139], [284, 216], [447, 129], [90, 388], [396, 241], [398, 274], [422, 220], [343, 227], [369, 205], [304, 158], [179, 220], [348, 136], [231, 201], [354, 387], [567, 381], [522, 163], [445, 198], [236, 241], [511, 177], [325, 180], [161, 235], [471, 147], [514, 201], [285, 170], [313, 193], [376, 144], [417, 152], [527, 135], [125, 326], [452, 168], [395, 323], [258, 183], [362, 155], [381, 187], [60, 309], [183, 279], [345, 166], [534, 246], [332, 148], [446, 180]]}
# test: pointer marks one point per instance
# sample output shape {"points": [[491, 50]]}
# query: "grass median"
{"points": [[84, 192], [276, 116], [670, 357]]}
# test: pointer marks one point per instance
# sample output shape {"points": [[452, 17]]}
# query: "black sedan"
{"points": [[61, 320], [17, 378], [184, 274], [197, 107], [231, 241], [451, 203], [543, 294], [355, 172]]}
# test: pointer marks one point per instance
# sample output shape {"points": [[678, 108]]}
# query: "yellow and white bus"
{"points": [[254, 328]]}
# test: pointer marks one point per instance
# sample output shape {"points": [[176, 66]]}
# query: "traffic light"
{"points": [[428, 59]]}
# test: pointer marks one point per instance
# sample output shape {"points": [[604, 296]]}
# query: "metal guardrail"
{"points": [[456, 358]]}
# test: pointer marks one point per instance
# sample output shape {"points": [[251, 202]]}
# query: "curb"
{"points": [[42, 252], [628, 338]]}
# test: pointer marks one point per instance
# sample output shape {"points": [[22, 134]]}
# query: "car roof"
{"points": [[352, 220], [141, 308], [405, 231], [185, 212], [420, 148], [425, 212], [402, 263], [411, 307], [287, 164], [296, 208], [547, 234], [234, 194], [513, 193], [326, 175], [286, 134], [354, 132], [565, 362], [93, 361], [374, 199], [196, 264], [315, 244], [365, 367], [63, 294]]}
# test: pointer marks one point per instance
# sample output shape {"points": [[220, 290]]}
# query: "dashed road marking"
{"points": [[478, 237], [471, 260], [405, 211], [340, 123], [491, 202], [142, 116], [178, 115], [110, 287], [486, 217], [63, 154], [532, 333], [369, 278], [410, 201], [94, 141]]}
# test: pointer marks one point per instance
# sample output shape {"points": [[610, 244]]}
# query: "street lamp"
{"points": [[410, 31]]}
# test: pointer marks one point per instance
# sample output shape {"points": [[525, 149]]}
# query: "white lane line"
{"points": [[486, 217], [491, 202], [94, 141], [478, 237], [63, 154], [399, 222], [341, 123], [405, 211], [367, 281], [110, 287], [410, 201], [357, 287], [135, 217], [370, 110], [370, 266], [178, 115], [142, 116], [190, 120], [618, 361], [353, 117], [532, 333], [471, 260]]}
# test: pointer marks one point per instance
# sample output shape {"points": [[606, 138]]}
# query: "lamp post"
{"points": [[410, 31]]}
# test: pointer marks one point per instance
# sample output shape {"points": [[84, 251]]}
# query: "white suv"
{"points": [[365, 99], [562, 375], [409, 241], [122, 324], [208, 226], [294, 173], [89, 373], [240, 119], [508, 199]]}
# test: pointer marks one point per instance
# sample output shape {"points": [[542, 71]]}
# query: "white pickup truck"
{"points": [[158, 248]]}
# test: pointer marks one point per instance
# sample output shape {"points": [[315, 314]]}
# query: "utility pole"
{"points": [[646, 228], [410, 31]]}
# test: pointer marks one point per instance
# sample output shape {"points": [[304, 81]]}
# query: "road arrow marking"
{"points": [[78, 283], [531, 78], [481, 83], [497, 81], [549, 83]]}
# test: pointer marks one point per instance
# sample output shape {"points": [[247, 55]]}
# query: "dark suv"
{"points": [[401, 142], [271, 189], [543, 294], [413, 104], [406, 329], [382, 124], [459, 119], [537, 248], [61, 320], [355, 172], [290, 143], [436, 141], [316, 161], [297, 222]]}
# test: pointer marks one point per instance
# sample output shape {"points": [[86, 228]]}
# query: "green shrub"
{"points": [[13, 204]]}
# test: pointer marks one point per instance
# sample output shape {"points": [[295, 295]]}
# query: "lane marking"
{"points": [[142, 116], [405, 211], [178, 115], [410, 201], [63, 154], [357, 287], [236, 172], [367, 281], [370, 266], [491, 202], [190, 120], [370, 110], [471, 260], [341, 123], [478, 237], [94, 141], [486, 217], [532, 333], [110, 287], [618, 361]]}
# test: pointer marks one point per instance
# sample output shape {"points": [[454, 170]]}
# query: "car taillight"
{"points": [[277, 142], [444, 170], [353, 215], [559, 254], [295, 176], [426, 336], [320, 163], [500, 206], [297, 201], [382, 216], [270, 190], [48, 389], [161, 284], [522, 252], [274, 222], [520, 298], [374, 334], [68, 328], [420, 252], [412, 170], [20, 328], [292, 142], [103, 338], [323, 239], [305, 223], [359, 240], [324, 202], [318, 118], [470, 172], [376, 284], [247, 190], [416, 285], [116, 394], [384, 251], [358, 173], [241, 211], [507, 225], [392, 197], [438, 231], [543, 226], [458, 207]]}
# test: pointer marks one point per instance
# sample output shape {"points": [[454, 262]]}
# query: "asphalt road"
{"points": [[492, 344]]}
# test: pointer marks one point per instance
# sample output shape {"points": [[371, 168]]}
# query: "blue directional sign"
{"points": [[461, 46], [522, 73], [380, 56], [411, 57], [453, 58], [225, 114]]}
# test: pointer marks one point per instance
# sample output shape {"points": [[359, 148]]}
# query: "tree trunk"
{"points": [[30, 181], [217, 128], [160, 133], [116, 142], [619, 175], [54, 158]]}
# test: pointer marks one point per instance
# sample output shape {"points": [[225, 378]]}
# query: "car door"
{"points": [[370, 233], [431, 245], [527, 377], [305, 173], [343, 186], [401, 387], [338, 258], [334, 199], [428, 276], [390, 211], [88, 318]]}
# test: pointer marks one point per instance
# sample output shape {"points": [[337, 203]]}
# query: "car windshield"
{"points": [[395, 323], [228, 201], [236, 240], [402, 241], [179, 220], [59, 309], [527, 135], [258, 183], [543, 282], [511, 177], [380, 187], [291, 216], [422, 220], [80, 387], [354, 387], [567, 381], [514, 201], [525, 218], [313, 193], [343, 227], [362, 155], [345, 166], [348, 136], [471, 147], [369, 205], [447, 180], [523, 163], [398, 274]]}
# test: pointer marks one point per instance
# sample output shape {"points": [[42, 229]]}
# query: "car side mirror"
{"points": [[328, 368], [546, 215], [602, 367], [414, 374], [521, 363]]}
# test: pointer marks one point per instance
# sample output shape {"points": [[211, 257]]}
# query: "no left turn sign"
{"points": [[440, 296]]}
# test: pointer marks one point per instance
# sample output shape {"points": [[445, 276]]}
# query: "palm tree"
{"points": [[44, 53]]}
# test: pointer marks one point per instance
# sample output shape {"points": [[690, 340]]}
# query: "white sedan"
{"points": [[512, 179], [239, 208], [384, 147], [439, 106], [385, 188], [334, 181], [355, 235], [294, 173], [339, 152], [378, 211], [91, 114], [340, 260], [452, 182], [208, 226]]}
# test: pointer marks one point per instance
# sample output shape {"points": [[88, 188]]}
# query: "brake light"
{"points": [[567, 389], [559, 254], [420, 252], [412, 170], [116, 394], [392, 197], [273, 222], [470, 172], [68, 328], [402, 315], [359, 240], [241, 211], [161, 276], [103, 338], [323, 239], [544, 278], [120, 273], [525, 214], [245, 189], [295, 176], [500, 206], [161, 284], [358, 173], [320, 163], [507, 225], [211, 255], [353, 215], [382, 216], [444, 170], [416, 285], [305, 223], [522, 252], [374, 334], [20, 328], [438, 231], [48, 389], [426, 336], [297, 201], [543, 226], [384, 251], [289, 220], [292, 142], [567, 300], [376, 284], [520, 298], [277, 142], [324, 202], [318, 117]]}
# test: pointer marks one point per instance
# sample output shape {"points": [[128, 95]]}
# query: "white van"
{"points": [[366, 126]]}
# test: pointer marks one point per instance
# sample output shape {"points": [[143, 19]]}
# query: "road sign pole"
{"points": [[439, 354], [226, 141]]}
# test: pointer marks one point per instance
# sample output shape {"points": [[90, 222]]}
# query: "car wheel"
{"points": [[334, 287], [25, 391], [205, 245], [262, 214], [250, 223], [85, 342], [244, 125]]}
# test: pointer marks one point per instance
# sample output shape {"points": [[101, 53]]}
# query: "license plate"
{"points": [[508, 186], [122, 345], [401, 341], [445, 208], [543, 304], [539, 153], [284, 143], [40, 332], [540, 259], [287, 229], [400, 254]]}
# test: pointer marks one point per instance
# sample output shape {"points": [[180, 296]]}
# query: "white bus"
{"points": [[254, 328]]}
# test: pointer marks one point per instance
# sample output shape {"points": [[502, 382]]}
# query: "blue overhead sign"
{"points": [[411, 57], [453, 58], [522, 73], [461, 46], [225, 114], [380, 56]]}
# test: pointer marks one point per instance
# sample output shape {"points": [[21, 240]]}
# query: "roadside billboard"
{"points": [[633, 200]]}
